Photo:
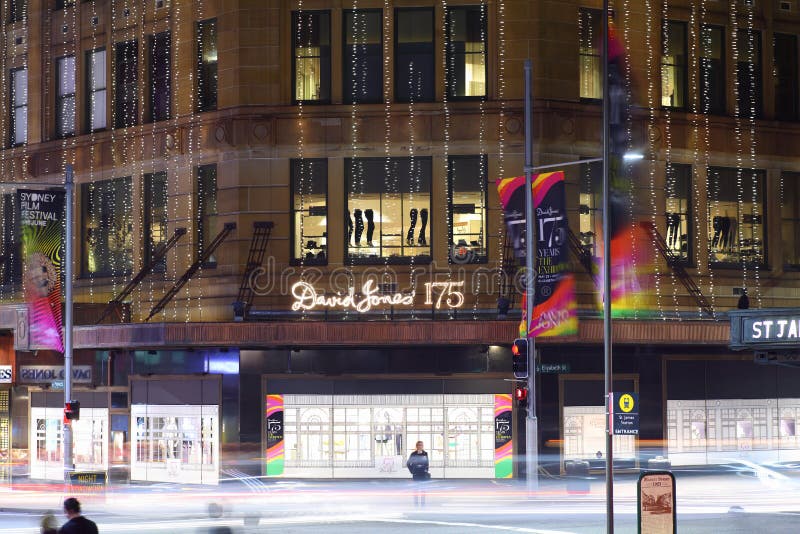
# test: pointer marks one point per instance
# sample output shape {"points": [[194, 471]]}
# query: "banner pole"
{"points": [[67, 428]]}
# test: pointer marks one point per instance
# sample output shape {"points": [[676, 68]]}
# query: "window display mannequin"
{"points": [[359, 226], [424, 215], [349, 227], [370, 215], [413, 218]]}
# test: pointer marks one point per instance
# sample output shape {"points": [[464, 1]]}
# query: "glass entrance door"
{"points": [[89, 442]]}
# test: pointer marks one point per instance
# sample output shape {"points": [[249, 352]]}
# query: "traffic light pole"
{"points": [[531, 421], [67, 428]]}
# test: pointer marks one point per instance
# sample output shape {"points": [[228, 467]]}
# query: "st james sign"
{"points": [[777, 329]]}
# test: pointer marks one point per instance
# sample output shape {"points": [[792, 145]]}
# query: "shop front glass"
{"points": [[352, 436], [585, 435], [89, 442], [175, 444]]}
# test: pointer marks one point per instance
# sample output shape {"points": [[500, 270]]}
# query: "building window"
{"points": [[207, 65], [785, 79], [363, 57], [19, 106], [467, 180], [206, 210], [591, 71], [466, 51], [310, 207], [61, 4], [17, 10], [673, 66], [10, 249], [388, 208], [126, 91], [748, 73], [160, 86], [790, 219], [590, 205], [96, 89], [678, 194], [65, 97], [735, 215], [107, 227], [155, 217], [414, 55], [311, 41], [712, 70]]}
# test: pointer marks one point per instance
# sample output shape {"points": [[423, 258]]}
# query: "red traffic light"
{"points": [[521, 393], [72, 411]]}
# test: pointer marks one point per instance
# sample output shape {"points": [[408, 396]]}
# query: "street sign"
{"points": [[625, 411], [656, 503], [552, 368], [57, 385]]}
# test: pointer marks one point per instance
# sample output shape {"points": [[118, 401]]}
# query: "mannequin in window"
{"points": [[370, 215], [349, 227], [359, 226], [413, 218], [424, 216]]}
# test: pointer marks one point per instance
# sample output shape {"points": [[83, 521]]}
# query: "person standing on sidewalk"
{"points": [[76, 524], [417, 465]]}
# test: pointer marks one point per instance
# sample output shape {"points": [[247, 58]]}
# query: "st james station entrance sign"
{"points": [[773, 334]]}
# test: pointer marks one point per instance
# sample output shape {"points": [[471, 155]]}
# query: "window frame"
{"points": [[92, 91], [716, 106], [324, 59], [13, 142], [688, 260], [482, 162], [757, 80], [120, 70], [682, 68], [86, 216], [293, 188], [17, 11], [158, 42], [148, 246], [430, 50], [348, 59], [206, 71], [780, 81], [202, 218], [590, 14], [61, 98], [450, 54], [796, 219]]}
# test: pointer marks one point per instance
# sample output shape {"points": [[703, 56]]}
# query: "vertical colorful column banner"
{"points": [[274, 431], [554, 305], [503, 446], [41, 221]]}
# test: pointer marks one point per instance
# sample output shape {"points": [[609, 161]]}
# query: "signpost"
{"points": [[656, 503], [625, 413]]}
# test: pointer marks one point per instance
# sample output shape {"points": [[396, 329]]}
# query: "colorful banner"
{"points": [[274, 431], [41, 220], [503, 445], [554, 307]]}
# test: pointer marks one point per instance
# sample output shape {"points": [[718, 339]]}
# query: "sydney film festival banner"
{"points": [[41, 221], [554, 306], [274, 431]]}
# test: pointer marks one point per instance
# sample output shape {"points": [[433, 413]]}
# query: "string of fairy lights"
{"points": [[174, 163], [753, 64], [501, 137], [195, 159]]}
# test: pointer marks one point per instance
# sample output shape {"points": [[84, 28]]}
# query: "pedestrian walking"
{"points": [[417, 465], [48, 524], [76, 523]]}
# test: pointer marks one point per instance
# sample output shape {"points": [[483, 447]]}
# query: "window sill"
{"points": [[310, 261], [391, 260]]}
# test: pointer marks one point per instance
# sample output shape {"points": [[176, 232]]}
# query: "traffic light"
{"points": [[521, 395], [72, 411], [519, 353]]}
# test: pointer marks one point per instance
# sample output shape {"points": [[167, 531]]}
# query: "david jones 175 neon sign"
{"points": [[437, 294]]}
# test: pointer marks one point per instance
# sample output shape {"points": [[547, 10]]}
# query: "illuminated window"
{"points": [[160, 86], [466, 51], [108, 227], [363, 57], [590, 205], [155, 216], [591, 72], [748, 72], [19, 106], [790, 219], [785, 79], [311, 39], [736, 215], [96, 89], [65, 96], [468, 208], [388, 208], [673, 66], [206, 65], [126, 82], [678, 193], [206, 210], [712, 70], [414, 55], [310, 206]]}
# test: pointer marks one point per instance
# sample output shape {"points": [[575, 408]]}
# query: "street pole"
{"points": [[608, 371], [67, 428], [531, 422]]}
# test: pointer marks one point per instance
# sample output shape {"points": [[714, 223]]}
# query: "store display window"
{"points": [[310, 210], [790, 220], [678, 196], [467, 181], [89, 442], [388, 209], [590, 204], [735, 215]]}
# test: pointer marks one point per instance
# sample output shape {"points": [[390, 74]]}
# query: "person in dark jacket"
{"points": [[76, 524], [417, 465]]}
